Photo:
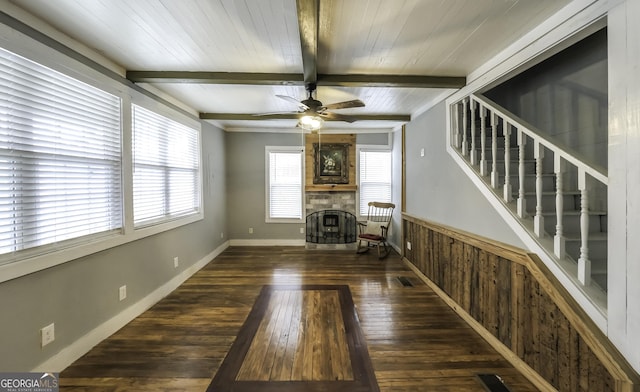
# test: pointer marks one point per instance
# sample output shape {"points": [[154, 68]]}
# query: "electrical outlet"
{"points": [[176, 262], [408, 245], [302, 230], [47, 334], [422, 152], [221, 234], [122, 292], [251, 230]]}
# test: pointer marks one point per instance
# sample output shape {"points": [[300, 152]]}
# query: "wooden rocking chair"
{"points": [[374, 231]]}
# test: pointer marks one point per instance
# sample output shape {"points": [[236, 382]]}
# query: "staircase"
{"points": [[554, 197]]}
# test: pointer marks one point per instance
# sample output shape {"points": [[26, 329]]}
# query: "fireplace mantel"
{"points": [[331, 188]]}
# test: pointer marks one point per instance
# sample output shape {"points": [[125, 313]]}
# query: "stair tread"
{"points": [[574, 213], [598, 236], [482, 138], [549, 193], [533, 175]]}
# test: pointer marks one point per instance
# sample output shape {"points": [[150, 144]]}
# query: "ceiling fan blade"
{"points": [[293, 100], [274, 113], [337, 117], [356, 103]]}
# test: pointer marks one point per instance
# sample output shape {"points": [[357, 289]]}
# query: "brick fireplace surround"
{"points": [[336, 200]]}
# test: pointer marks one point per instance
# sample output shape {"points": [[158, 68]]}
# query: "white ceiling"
{"points": [[365, 37]]}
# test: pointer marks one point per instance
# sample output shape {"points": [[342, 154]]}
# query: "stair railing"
{"points": [[568, 171]]}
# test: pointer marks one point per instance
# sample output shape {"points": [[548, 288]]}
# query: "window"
{"points": [[374, 177], [60, 159], [166, 164], [284, 183]]}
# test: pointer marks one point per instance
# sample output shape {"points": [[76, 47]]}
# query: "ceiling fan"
{"points": [[314, 112]]}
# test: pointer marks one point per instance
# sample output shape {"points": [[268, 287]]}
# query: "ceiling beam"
{"points": [[413, 81], [295, 116], [253, 78], [308, 24], [289, 79]]}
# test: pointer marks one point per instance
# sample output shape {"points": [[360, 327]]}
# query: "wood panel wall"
{"points": [[519, 303], [309, 164]]}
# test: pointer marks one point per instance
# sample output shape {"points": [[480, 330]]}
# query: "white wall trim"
{"points": [[80, 347], [278, 242]]}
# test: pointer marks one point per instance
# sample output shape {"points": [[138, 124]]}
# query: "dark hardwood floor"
{"points": [[415, 342]]}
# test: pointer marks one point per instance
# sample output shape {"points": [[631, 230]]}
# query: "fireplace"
{"points": [[331, 227]]}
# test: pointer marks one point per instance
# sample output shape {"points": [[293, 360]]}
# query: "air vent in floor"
{"points": [[492, 383], [405, 281]]}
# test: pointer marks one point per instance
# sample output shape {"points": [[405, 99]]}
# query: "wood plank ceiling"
{"points": [[227, 59]]}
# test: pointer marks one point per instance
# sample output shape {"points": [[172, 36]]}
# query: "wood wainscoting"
{"points": [[513, 300]]}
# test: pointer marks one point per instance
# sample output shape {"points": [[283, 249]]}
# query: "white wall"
{"points": [[624, 179]]}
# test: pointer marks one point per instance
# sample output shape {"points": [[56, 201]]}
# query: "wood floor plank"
{"points": [[415, 342]]}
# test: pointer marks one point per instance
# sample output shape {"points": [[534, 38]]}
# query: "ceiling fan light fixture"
{"points": [[310, 123]]}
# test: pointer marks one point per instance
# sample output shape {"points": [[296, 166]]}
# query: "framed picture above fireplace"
{"points": [[331, 163]]}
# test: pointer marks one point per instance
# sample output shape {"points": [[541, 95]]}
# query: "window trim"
{"points": [[372, 148], [267, 198]]}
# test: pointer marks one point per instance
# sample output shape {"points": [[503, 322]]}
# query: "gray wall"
{"points": [[438, 190], [246, 183], [565, 97], [246, 186], [82, 294]]}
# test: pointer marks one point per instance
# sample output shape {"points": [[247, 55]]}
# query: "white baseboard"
{"points": [[267, 242], [73, 352], [285, 243]]}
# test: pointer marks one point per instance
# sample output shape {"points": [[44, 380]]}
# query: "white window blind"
{"points": [[285, 184], [60, 158], [375, 178], [166, 160]]}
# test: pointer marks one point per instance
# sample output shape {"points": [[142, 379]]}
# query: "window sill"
{"points": [[29, 265]]}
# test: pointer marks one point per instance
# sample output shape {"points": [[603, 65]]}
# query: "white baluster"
{"points": [[483, 142], [584, 264], [474, 152], [506, 129], [495, 177], [558, 239], [538, 220], [465, 143], [522, 202], [456, 128]]}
